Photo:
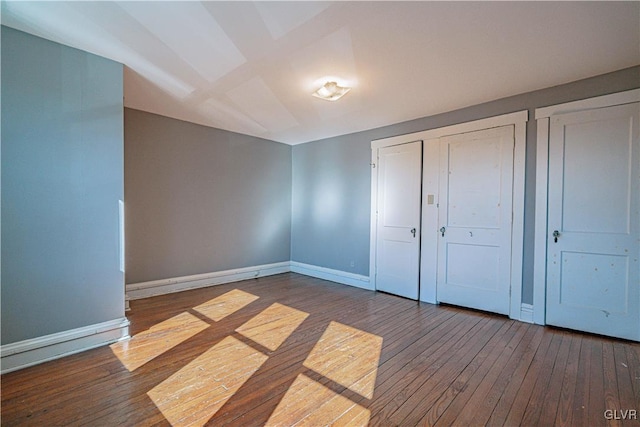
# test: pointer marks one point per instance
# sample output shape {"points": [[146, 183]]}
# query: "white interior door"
{"points": [[398, 219], [592, 260], [475, 213]]}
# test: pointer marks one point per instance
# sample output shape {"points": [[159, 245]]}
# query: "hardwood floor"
{"points": [[286, 349]]}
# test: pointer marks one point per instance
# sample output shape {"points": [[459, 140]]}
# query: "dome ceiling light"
{"points": [[330, 91]]}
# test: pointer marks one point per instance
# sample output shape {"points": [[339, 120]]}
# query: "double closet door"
{"points": [[474, 209]]}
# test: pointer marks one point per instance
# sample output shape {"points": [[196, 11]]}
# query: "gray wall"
{"points": [[332, 237], [202, 200], [62, 178], [331, 203]]}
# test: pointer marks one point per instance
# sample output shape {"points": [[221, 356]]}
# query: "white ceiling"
{"points": [[251, 67]]}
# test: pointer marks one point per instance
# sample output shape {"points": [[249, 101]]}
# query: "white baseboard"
{"points": [[526, 313], [176, 284], [49, 347], [337, 276]]}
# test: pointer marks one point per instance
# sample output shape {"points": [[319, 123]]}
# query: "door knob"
{"points": [[442, 230], [556, 233], [413, 231]]}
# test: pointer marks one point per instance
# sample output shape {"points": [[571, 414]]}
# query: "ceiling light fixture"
{"points": [[330, 91]]}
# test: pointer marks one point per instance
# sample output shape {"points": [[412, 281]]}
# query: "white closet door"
{"points": [[594, 222], [475, 213], [398, 222]]}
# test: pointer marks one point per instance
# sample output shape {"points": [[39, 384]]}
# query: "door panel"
{"points": [[474, 169], [473, 266], [594, 175], [398, 222], [476, 186], [586, 151]]}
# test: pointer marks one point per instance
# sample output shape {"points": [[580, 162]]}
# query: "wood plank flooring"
{"points": [[293, 350]]}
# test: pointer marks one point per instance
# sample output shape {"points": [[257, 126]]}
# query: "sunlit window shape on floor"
{"points": [[273, 325], [308, 403], [226, 304], [196, 392], [160, 338], [347, 356]]}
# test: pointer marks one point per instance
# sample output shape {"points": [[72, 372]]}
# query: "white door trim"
{"points": [[543, 116], [489, 122], [618, 98], [430, 222]]}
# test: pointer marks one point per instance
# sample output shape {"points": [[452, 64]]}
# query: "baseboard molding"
{"points": [[176, 284], [337, 276], [526, 313], [49, 347]]}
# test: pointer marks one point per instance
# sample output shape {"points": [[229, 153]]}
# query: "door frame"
{"points": [[375, 146], [430, 186], [419, 225], [543, 119]]}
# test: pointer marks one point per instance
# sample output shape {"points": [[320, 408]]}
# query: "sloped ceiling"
{"points": [[250, 67]]}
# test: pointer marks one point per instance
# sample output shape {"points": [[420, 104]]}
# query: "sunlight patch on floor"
{"points": [[344, 356], [273, 325], [347, 356], [226, 304], [158, 339], [309, 403], [196, 392]]}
